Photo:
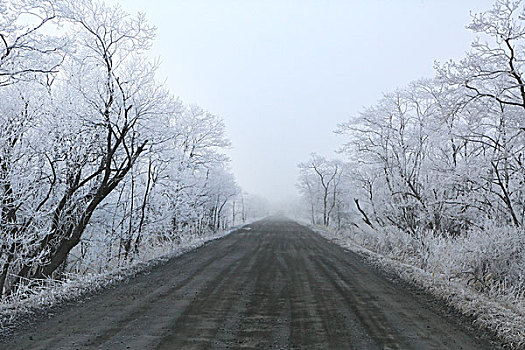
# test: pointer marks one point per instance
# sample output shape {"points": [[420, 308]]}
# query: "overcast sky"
{"points": [[283, 74]]}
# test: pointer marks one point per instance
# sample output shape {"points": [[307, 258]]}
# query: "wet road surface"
{"points": [[273, 285]]}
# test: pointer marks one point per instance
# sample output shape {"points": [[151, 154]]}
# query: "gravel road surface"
{"points": [[273, 285]]}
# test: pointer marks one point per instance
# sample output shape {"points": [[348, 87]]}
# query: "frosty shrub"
{"points": [[489, 259]]}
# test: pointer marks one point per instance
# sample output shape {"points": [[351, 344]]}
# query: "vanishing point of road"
{"points": [[272, 285]]}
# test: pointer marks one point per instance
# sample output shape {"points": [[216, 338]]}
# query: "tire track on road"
{"points": [[276, 286]]}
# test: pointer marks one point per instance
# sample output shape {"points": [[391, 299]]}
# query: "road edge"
{"points": [[17, 316], [417, 281]]}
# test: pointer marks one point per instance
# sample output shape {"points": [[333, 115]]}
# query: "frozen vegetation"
{"points": [[103, 169], [433, 182], [101, 166]]}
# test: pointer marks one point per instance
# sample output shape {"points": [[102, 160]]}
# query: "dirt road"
{"points": [[275, 286]]}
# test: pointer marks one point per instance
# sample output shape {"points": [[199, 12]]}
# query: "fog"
{"points": [[283, 74]]}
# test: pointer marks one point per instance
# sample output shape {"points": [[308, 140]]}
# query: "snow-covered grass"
{"points": [[482, 274], [51, 292]]}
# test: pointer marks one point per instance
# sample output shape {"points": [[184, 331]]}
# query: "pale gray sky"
{"points": [[283, 73]]}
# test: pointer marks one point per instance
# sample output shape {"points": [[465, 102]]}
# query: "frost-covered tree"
{"points": [[491, 76], [438, 165], [26, 51], [319, 182], [98, 161], [102, 121]]}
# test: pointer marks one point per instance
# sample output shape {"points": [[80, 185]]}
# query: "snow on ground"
{"points": [[53, 292], [505, 316]]}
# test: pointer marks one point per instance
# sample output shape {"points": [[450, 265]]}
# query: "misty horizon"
{"points": [[283, 75]]}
